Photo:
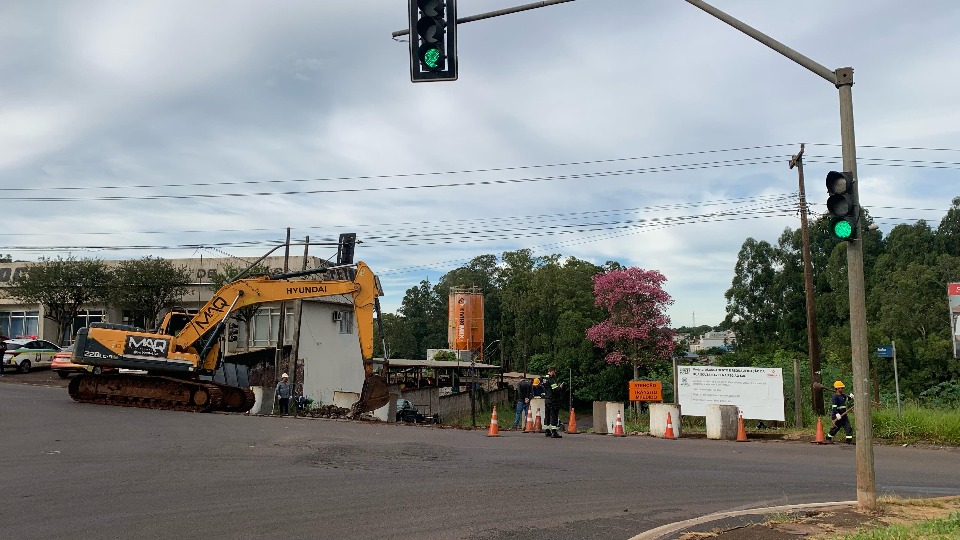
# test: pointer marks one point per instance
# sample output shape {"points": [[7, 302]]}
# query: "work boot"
{"points": [[851, 441], [548, 432], [556, 434]]}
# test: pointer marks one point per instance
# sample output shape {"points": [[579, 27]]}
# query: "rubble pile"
{"points": [[329, 411]]}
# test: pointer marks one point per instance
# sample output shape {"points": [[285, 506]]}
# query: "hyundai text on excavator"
{"points": [[186, 348]]}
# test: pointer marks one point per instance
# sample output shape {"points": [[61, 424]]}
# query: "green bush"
{"points": [[945, 395]]}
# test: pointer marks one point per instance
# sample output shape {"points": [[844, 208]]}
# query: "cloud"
{"points": [[112, 93]]}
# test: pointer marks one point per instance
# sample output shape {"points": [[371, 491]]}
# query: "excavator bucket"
{"points": [[374, 395]]}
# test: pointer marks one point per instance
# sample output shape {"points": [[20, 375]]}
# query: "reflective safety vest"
{"points": [[551, 386], [838, 403]]}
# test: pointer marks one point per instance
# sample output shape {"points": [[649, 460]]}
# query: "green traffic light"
{"points": [[431, 57], [842, 229]]}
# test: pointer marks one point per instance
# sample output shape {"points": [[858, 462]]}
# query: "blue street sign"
{"points": [[885, 352]]}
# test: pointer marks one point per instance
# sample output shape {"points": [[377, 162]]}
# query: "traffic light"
{"points": [[345, 248], [233, 332], [841, 203], [433, 40]]}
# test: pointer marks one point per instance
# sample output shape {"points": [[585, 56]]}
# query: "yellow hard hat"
{"points": [[838, 384], [536, 381]]}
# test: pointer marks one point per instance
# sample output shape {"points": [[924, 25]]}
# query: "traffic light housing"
{"points": [[842, 205], [345, 248], [433, 40]]}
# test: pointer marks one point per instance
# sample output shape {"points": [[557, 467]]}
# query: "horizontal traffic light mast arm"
{"points": [[491, 14], [804, 61]]}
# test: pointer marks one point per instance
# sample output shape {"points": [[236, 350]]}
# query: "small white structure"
{"points": [[605, 416], [722, 422], [658, 419]]}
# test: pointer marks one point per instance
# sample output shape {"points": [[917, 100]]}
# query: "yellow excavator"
{"points": [[185, 351]]}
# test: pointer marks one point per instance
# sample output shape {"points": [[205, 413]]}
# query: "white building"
{"points": [[329, 346], [710, 340]]}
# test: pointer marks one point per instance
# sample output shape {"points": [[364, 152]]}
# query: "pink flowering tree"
{"points": [[637, 330]]}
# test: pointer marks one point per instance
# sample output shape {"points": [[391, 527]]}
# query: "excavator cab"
{"points": [[174, 322]]}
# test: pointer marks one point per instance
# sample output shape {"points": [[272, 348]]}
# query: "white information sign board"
{"points": [[757, 391]]}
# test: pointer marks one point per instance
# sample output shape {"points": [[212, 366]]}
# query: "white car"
{"points": [[24, 354]]}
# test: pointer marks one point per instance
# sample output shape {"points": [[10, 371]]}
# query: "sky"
{"points": [[639, 131]]}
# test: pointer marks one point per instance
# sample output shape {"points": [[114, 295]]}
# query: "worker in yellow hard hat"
{"points": [[537, 387], [840, 405]]}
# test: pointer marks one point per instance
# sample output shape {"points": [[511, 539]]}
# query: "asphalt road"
{"points": [[91, 471]]}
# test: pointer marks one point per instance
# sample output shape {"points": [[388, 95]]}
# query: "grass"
{"points": [[938, 426], [936, 529], [894, 500]]}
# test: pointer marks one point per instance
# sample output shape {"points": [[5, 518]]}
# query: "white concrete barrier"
{"points": [[722, 422], [605, 416], [538, 403], [658, 419]]}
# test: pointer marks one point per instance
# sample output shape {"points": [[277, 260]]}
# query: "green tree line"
{"points": [[65, 285], [906, 275], [537, 312]]}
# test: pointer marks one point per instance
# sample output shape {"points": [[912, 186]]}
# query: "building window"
{"points": [[84, 318], [14, 324], [265, 327], [346, 322]]}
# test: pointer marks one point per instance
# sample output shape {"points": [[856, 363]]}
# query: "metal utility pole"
{"points": [[896, 378], [813, 339], [797, 395], [842, 79], [297, 319]]}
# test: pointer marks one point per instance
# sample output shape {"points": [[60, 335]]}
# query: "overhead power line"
{"points": [[400, 175], [573, 176]]}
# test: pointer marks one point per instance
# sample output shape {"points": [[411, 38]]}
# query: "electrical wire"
{"points": [[524, 180], [404, 175]]}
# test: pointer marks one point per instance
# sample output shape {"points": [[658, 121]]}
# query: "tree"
{"points": [[145, 287], [751, 299], [948, 233], [426, 315], [62, 286], [244, 314], [637, 330], [400, 340]]}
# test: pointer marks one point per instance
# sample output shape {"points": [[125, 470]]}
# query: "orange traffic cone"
{"points": [[494, 430], [537, 425], [528, 427], [618, 427], [820, 438], [572, 424], [741, 433], [668, 433]]}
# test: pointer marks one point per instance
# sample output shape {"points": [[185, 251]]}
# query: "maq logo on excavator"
{"points": [[146, 346]]}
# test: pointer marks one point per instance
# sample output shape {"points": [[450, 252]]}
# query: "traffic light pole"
{"points": [[843, 79]]}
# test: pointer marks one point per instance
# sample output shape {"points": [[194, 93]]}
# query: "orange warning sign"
{"points": [[646, 391]]}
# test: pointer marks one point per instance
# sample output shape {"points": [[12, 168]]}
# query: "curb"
{"points": [[670, 528]]}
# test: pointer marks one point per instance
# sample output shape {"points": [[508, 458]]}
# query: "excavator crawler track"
{"points": [[147, 391], [235, 399]]}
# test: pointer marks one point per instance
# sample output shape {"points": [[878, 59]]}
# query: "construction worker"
{"points": [[551, 391], [283, 394], [838, 412], [524, 393]]}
